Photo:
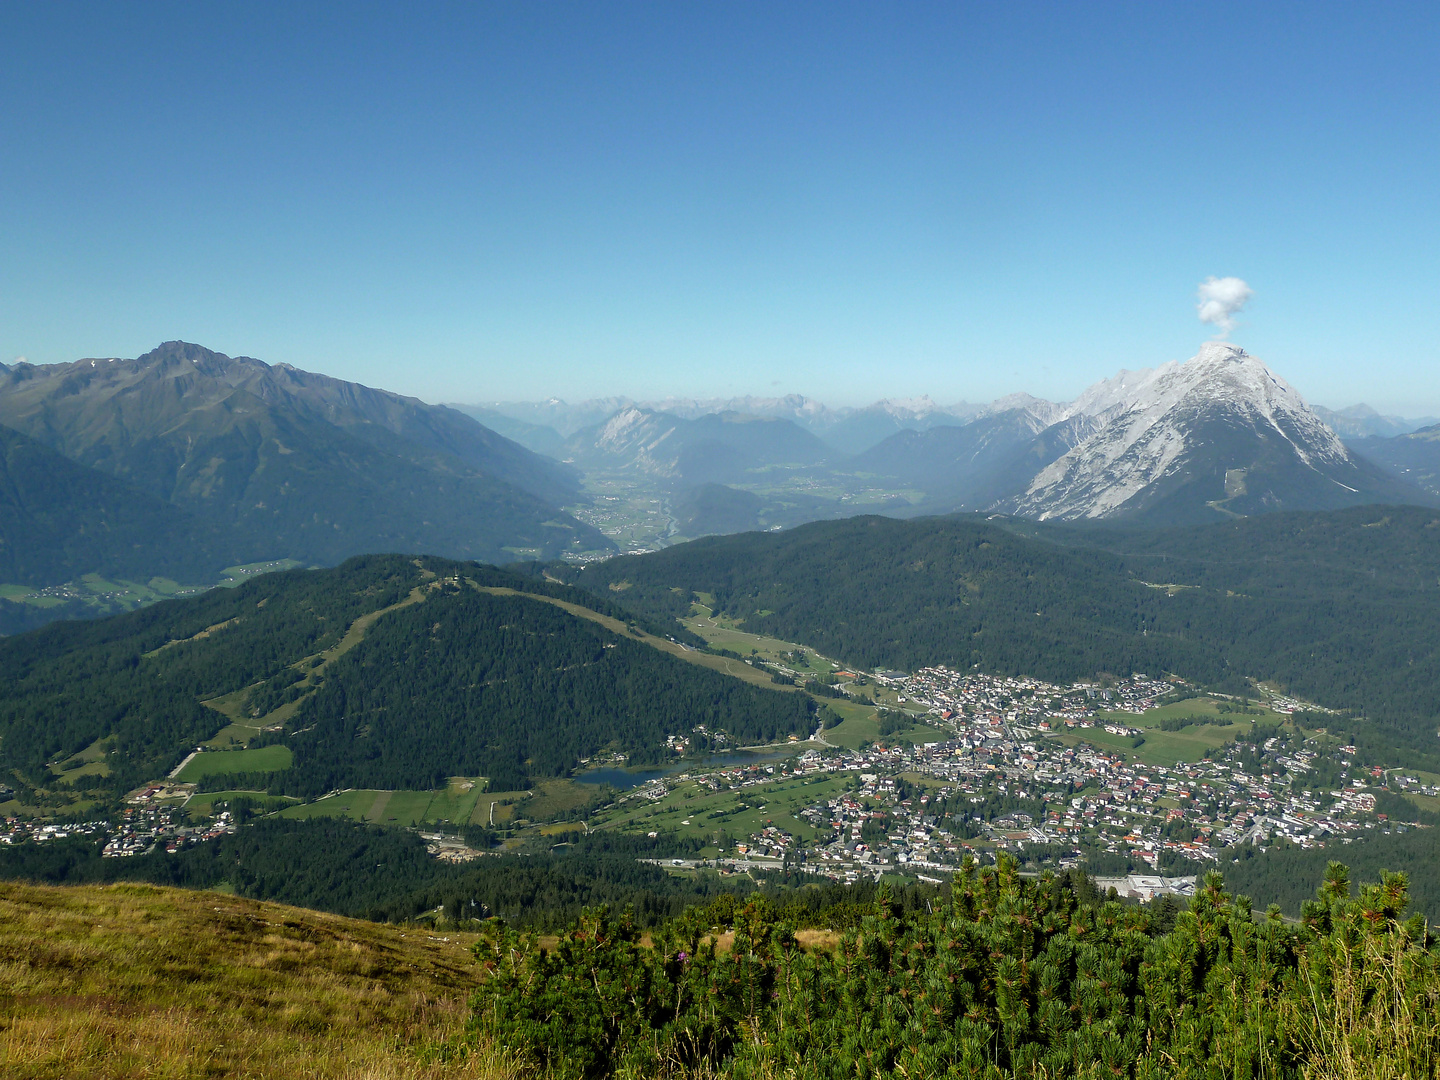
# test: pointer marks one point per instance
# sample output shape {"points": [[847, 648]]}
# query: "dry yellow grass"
{"points": [[136, 981]]}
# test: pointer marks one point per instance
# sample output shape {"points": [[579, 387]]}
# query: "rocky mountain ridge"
{"points": [[713, 448], [1150, 434], [275, 462]]}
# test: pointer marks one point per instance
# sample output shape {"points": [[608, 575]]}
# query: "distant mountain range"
{"points": [[184, 461], [1414, 457], [544, 425], [1363, 422], [713, 448], [1219, 435], [978, 464]]}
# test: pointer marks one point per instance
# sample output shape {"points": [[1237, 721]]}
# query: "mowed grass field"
{"points": [[550, 799], [1168, 747], [1206, 707], [861, 725], [202, 803], [227, 762], [376, 807], [89, 762], [463, 802], [451, 804], [1428, 803], [723, 634], [688, 808], [105, 983]]}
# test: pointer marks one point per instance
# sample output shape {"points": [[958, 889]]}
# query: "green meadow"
{"points": [[226, 762], [203, 803], [1168, 747], [692, 810], [464, 801]]}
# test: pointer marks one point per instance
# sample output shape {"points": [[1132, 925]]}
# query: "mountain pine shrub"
{"points": [[1012, 978]]}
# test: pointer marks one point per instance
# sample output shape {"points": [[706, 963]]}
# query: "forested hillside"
{"points": [[474, 684], [56, 515], [449, 680], [331, 866], [1340, 607], [230, 461], [1285, 874]]}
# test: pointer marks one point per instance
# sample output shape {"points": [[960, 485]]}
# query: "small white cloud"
{"points": [[1221, 299], [20, 360]]}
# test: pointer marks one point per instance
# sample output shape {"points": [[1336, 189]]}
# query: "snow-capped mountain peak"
{"points": [[1172, 427]]}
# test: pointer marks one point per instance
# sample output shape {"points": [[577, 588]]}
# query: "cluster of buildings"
{"points": [[999, 777], [999, 700], [153, 826], [158, 826], [16, 831], [874, 830], [1413, 784]]}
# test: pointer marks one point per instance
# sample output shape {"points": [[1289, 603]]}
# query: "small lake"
{"points": [[625, 779]]}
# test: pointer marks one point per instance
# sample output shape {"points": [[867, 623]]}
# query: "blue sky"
{"points": [[848, 201]]}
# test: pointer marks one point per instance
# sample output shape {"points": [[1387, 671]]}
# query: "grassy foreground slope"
{"points": [[138, 981]]}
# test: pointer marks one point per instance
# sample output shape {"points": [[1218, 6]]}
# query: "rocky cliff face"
{"points": [[1219, 434]]}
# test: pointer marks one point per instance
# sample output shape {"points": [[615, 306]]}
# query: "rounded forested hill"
{"points": [[509, 687], [386, 671]]}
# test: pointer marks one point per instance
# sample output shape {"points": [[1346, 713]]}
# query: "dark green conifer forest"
{"points": [[444, 680], [1008, 978], [474, 684]]}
